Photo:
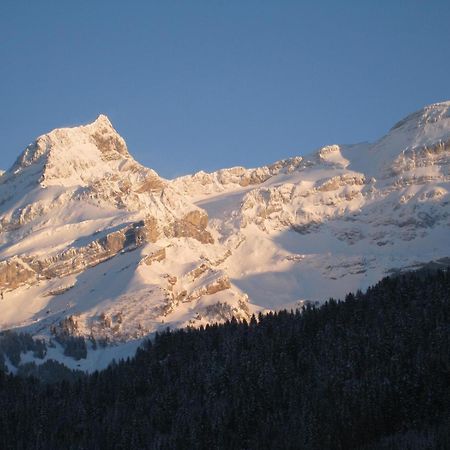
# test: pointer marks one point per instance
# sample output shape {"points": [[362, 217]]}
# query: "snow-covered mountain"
{"points": [[94, 244]]}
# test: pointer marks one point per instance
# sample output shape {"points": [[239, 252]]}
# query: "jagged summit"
{"points": [[75, 155]]}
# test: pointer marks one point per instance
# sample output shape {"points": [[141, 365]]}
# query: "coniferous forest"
{"points": [[370, 372]]}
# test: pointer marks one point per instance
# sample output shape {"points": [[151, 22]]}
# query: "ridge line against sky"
{"points": [[204, 85]]}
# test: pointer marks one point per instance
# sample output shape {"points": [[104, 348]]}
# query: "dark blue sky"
{"points": [[208, 84]]}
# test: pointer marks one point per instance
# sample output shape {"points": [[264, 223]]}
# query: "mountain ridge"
{"points": [[94, 244]]}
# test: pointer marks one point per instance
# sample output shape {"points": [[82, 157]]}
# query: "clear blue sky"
{"points": [[208, 84]]}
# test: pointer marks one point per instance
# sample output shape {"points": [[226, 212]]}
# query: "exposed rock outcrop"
{"points": [[192, 225], [14, 273], [158, 255], [219, 284]]}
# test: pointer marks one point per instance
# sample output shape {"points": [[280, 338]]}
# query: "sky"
{"points": [[207, 84]]}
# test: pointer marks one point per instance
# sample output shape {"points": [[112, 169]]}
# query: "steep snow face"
{"points": [[94, 244]]}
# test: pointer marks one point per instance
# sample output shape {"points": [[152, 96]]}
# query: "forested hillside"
{"points": [[369, 372]]}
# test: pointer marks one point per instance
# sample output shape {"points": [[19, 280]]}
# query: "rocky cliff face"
{"points": [[94, 244]]}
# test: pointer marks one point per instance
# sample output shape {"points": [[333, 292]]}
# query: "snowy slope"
{"points": [[94, 244]]}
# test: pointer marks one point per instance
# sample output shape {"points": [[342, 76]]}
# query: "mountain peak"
{"points": [[102, 122], [429, 114], [75, 155], [102, 119]]}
